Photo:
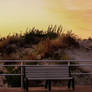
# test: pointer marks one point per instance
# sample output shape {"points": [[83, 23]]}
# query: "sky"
{"points": [[17, 15]]}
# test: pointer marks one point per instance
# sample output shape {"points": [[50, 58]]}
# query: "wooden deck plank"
{"points": [[54, 89]]}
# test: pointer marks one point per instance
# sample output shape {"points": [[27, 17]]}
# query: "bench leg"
{"points": [[73, 84], [49, 85], [46, 84], [69, 83], [25, 84]]}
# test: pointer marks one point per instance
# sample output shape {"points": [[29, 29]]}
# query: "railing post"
{"points": [[69, 68], [69, 63], [21, 75]]}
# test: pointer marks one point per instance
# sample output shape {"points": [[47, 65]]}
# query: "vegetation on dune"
{"points": [[31, 36], [37, 44], [34, 36], [45, 41]]}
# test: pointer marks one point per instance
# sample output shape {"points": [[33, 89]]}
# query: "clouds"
{"points": [[72, 14], [71, 4], [77, 4]]}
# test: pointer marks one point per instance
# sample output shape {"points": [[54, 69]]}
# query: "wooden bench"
{"points": [[48, 73]]}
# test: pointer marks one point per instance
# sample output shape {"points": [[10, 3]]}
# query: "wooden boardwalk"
{"points": [[54, 89]]}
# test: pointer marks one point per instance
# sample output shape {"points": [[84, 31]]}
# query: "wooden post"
{"points": [[21, 75]]}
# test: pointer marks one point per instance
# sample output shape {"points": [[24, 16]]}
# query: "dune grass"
{"points": [[45, 42]]}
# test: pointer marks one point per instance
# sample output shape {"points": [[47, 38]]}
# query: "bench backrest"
{"points": [[47, 72]]}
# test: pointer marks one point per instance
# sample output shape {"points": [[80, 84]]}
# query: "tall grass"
{"points": [[46, 41], [31, 36]]}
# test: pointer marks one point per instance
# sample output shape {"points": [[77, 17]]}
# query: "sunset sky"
{"points": [[17, 15]]}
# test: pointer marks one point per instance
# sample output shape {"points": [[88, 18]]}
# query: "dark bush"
{"points": [[13, 81], [69, 39]]}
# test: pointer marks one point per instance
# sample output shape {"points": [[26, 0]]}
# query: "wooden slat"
{"points": [[46, 76], [43, 69], [64, 78], [46, 69], [47, 72], [65, 67]]}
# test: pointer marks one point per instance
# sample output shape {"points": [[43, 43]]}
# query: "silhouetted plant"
{"points": [[69, 39], [13, 81]]}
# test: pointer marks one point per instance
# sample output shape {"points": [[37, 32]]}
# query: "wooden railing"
{"points": [[72, 63]]}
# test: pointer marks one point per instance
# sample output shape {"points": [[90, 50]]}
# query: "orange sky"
{"points": [[17, 15]]}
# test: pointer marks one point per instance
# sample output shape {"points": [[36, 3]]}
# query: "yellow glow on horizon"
{"points": [[17, 15]]}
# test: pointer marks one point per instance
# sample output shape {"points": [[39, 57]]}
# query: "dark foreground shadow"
{"points": [[54, 89]]}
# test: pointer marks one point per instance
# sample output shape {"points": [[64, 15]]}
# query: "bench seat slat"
{"points": [[65, 78], [33, 72], [46, 67], [47, 72], [47, 75], [41, 69], [50, 73]]}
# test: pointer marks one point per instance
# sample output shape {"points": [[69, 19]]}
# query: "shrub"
{"points": [[69, 40], [34, 36], [54, 32], [13, 81]]}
